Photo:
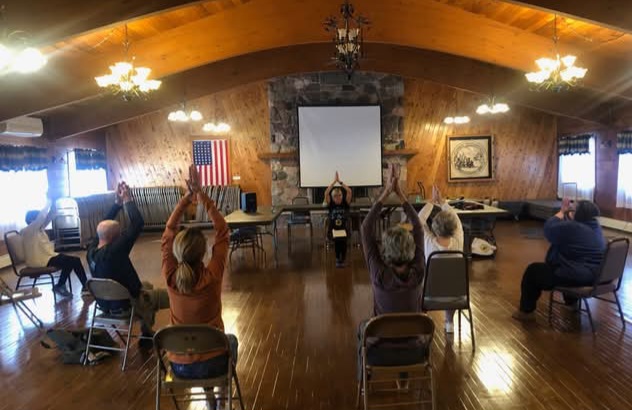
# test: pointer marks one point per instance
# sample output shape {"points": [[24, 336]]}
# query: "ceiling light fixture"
{"points": [[15, 54], [182, 115], [464, 119], [492, 107], [127, 80], [348, 38], [558, 73], [219, 128]]}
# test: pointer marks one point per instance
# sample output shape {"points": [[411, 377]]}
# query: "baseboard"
{"points": [[615, 224], [5, 261]]}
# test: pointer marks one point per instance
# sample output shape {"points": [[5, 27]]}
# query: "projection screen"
{"points": [[347, 139]]}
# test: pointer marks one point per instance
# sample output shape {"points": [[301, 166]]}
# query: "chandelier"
{"points": [[216, 128], [558, 73], [492, 107], [15, 55], [126, 79], [182, 115], [347, 37]]}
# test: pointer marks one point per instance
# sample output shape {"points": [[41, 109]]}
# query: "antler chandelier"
{"points": [[348, 37]]}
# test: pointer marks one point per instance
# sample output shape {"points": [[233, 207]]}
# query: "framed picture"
{"points": [[470, 158]]}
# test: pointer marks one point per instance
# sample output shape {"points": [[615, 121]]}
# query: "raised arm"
{"points": [[329, 188], [220, 247], [44, 216], [418, 235], [458, 232], [127, 239], [171, 230], [347, 189]]}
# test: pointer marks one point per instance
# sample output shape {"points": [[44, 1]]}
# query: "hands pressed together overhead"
{"points": [[123, 194], [392, 184]]}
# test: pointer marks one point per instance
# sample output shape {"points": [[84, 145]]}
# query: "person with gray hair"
{"points": [[397, 272], [446, 234]]}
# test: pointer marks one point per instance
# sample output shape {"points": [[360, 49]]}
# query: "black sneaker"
{"points": [[62, 291]]}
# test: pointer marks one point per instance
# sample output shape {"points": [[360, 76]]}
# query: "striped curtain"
{"points": [[89, 159], [624, 142], [577, 144], [21, 158]]}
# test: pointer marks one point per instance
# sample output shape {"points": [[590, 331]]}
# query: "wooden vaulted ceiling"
{"points": [[197, 48]]}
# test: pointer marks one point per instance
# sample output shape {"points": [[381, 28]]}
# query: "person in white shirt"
{"points": [[446, 234], [39, 251]]}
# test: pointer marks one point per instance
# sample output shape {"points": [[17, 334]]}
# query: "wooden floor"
{"points": [[296, 326]]}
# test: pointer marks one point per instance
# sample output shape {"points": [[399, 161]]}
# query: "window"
{"points": [[28, 191], [84, 182], [624, 184], [579, 169]]}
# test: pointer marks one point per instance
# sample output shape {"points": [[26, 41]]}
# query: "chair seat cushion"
{"points": [[444, 302], [32, 272], [587, 291]]}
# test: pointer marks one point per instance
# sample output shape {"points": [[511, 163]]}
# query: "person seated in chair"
{"points": [[108, 258], [195, 289], [446, 234], [39, 250], [397, 271], [338, 206], [573, 259]]}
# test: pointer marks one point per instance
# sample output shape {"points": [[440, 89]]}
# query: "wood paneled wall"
{"points": [[151, 151], [524, 144]]}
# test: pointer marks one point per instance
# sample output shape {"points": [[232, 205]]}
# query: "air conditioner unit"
{"points": [[27, 127]]}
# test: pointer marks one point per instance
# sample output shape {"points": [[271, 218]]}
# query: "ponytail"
{"points": [[189, 247]]}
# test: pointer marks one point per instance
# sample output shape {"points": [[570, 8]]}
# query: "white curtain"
{"points": [[84, 182], [624, 182], [579, 169], [24, 191]]}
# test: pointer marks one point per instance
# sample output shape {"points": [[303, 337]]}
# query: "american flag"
{"points": [[211, 160]]}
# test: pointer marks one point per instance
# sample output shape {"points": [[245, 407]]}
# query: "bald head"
{"points": [[108, 231]]}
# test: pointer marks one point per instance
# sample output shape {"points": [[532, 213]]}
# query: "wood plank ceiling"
{"points": [[183, 42]]}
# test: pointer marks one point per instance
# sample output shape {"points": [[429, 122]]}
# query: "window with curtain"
{"points": [[624, 181], [24, 179], [577, 165], [86, 172]]}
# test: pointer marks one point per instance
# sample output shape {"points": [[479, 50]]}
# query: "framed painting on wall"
{"points": [[470, 158]]}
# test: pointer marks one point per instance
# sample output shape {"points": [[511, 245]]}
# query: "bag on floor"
{"points": [[481, 247], [72, 344]]}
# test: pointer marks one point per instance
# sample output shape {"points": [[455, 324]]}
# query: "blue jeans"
{"points": [[208, 369]]}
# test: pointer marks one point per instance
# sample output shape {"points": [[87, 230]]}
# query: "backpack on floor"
{"points": [[72, 344]]}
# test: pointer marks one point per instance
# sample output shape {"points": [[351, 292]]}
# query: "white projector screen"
{"points": [[343, 139]]}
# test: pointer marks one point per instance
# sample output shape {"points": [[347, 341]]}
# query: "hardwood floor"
{"points": [[296, 326]]}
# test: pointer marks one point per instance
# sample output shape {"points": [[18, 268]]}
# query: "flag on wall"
{"points": [[211, 160]]}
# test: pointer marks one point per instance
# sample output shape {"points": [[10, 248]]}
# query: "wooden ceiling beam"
{"points": [[50, 21], [614, 14], [459, 72], [70, 77]]}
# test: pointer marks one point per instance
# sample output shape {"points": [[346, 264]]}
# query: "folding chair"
{"points": [[123, 322], [404, 341], [192, 340], [16, 298], [608, 280], [248, 237], [299, 218], [15, 247], [447, 286]]}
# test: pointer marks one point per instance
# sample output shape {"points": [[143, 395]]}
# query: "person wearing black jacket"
{"points": [[573, 259], [108, 258]]}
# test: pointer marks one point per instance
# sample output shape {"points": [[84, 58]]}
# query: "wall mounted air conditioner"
{"points": [[27, 127]]}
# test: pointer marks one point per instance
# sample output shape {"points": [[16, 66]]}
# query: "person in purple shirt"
{"points": [[573, 259], [397, 271]]}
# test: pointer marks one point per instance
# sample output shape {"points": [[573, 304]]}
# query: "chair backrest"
{"points": [[191, 339], [66, 222], [301, 200], [108, 289], [399, 326], [363, 200], [613, 264], [15, 247], [446, 277]]}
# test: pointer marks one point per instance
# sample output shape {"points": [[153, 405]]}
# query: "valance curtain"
{"points": [[89, 159], [624, 142], [21, 158], [577, 144]]}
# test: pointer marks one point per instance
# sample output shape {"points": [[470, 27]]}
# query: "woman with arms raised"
{"points": [[195, 289]]}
